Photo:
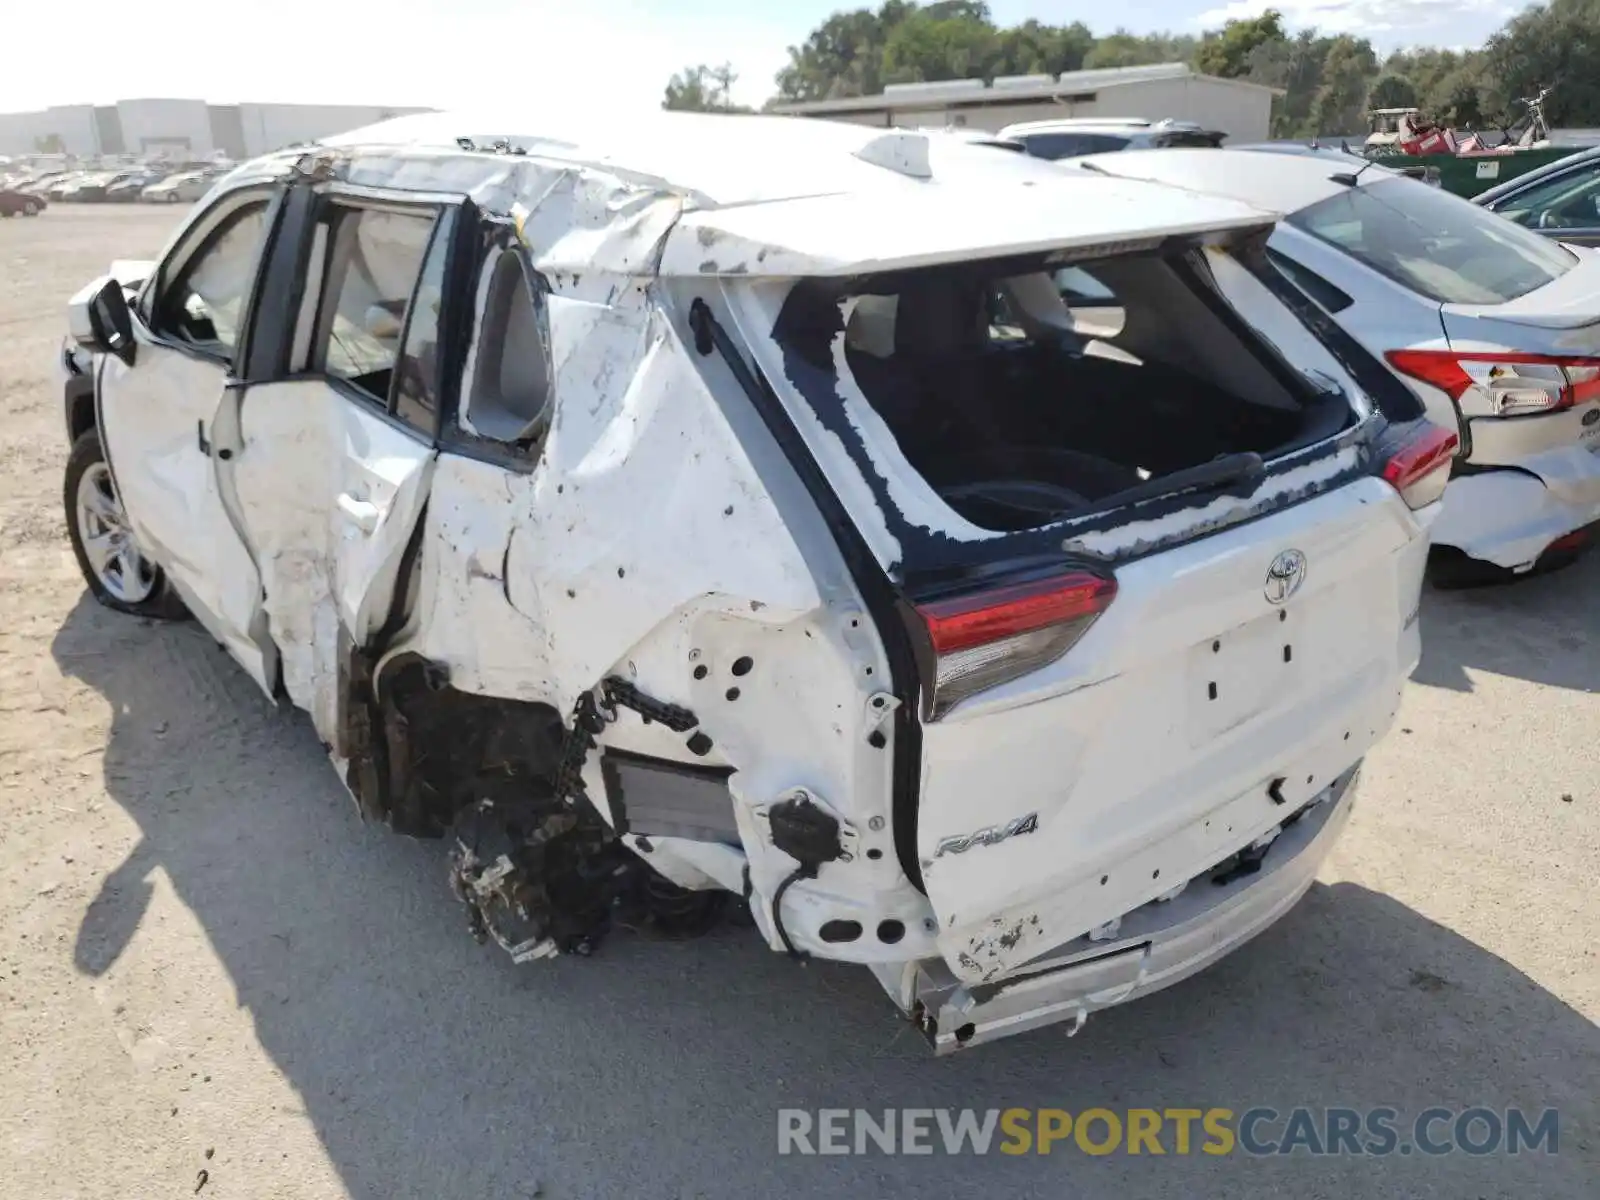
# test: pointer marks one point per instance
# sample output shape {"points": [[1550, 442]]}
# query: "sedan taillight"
{"points": [[1513, 385], [986, 638]]}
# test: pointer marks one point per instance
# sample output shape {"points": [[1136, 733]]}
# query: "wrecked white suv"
{"points": [[748, 507]]}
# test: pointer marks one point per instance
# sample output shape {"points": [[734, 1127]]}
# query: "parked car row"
{"points": [[991, 571], [152, 183]]}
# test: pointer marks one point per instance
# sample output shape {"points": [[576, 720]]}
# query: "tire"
{"points": [[172, 197], [30, 209], [125, 580]]}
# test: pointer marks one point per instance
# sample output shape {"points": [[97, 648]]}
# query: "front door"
{"points": [[156, 420]]}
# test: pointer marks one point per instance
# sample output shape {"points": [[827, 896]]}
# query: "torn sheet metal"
{"points": [[575, 221], [645, 505]]}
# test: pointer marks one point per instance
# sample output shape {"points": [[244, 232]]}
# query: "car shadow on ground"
{"points": [[1544, 629], [432, 1067]]}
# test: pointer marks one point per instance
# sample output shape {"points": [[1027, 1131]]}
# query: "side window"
{"points": [[1332, 298], [1569, 202], [204, 304], [416, 388], [508, 376], [375, 260], [1054, 145]]}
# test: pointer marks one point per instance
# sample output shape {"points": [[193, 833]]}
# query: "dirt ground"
{"points": [[213, 978]]}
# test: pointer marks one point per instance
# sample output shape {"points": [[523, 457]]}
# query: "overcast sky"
{"points": [[613, 54]]}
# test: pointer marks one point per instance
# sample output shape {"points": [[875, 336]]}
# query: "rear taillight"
{"points": [[1416, 461], [986, 638], [1513, 385]]}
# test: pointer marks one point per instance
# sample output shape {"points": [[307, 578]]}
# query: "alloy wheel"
{"points": [[108, 541]]}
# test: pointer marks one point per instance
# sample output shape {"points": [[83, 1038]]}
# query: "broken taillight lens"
{"points": [[1512, 385], [1416, 461], [986, 638]]}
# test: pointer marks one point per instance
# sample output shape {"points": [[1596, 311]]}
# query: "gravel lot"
{"points": [[212, 976]]}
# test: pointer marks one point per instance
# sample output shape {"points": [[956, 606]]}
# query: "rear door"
{"points": [[334, 456]]}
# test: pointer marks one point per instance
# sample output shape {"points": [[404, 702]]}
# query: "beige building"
{"points": [[180, 128], [1241, 110]]}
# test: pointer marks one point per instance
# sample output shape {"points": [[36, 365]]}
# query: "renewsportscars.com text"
{"points": [[1168, 1131]]}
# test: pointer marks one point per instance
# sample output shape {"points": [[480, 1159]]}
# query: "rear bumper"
{"points": [[1509, 515], [1158, 944]]}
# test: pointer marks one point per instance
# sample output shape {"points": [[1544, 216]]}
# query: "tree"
{"points": [[1226, 52], [1036, 49], [843, 56], [1327, 81], [1341, 102], [930, 45], [1124, 49], [1392, 91], [702, 89], [1558, 47], [1462, 99]]}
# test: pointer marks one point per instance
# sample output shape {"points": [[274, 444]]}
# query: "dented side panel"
{"points": [[642, 506], [646, 546], [329, 494]]}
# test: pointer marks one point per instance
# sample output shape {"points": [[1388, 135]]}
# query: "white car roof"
{"points": [[1284, 183], [790, 196], [723, 159]]}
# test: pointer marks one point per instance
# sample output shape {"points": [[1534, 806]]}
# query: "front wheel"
{"points": [[118, 574], [30, 209]]}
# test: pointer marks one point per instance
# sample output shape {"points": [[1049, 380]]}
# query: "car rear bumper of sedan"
{"points": [[1157, 945], [1512, 516]]}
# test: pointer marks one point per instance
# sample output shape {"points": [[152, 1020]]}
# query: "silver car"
{"points": [[184, 188], [1494, 329]]}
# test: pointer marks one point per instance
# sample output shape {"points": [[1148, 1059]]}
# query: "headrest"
{"points": [[940, 318]]}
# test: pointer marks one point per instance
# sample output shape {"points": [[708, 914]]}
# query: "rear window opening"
{"points": [[1028, 393]]}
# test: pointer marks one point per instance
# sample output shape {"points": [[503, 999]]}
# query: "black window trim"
{"points": [[382, 404], [361, 196], [207, 228], [1588, 166], [1332, 297], [444, 223], [478, 248]]}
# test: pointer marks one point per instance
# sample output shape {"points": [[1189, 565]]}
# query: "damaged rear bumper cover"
{"points": [[1161, 943]]}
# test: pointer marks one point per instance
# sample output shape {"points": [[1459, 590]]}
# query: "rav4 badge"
{"points": [[994, 834]]}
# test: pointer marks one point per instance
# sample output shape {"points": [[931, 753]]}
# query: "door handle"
{"points": [[363, 514]]}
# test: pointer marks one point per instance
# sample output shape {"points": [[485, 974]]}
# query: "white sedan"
{"points": [[1495, 329]]}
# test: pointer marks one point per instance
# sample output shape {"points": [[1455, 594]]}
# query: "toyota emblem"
{"points": [[1284, 576]]}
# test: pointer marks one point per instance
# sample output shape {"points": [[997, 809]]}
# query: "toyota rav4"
{"points": [[753, 508]]}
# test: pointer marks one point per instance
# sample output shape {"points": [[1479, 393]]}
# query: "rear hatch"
{"points": [[1157, 573]]}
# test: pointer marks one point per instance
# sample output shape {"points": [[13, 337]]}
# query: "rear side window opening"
{"points": [[1028, 393], [1436, 244]]}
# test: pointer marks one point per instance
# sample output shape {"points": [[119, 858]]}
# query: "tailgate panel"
{"points": [[1179, 706]]}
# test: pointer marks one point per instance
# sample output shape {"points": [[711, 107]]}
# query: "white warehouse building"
{"points": [[188, 129], [1168, 90]]}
